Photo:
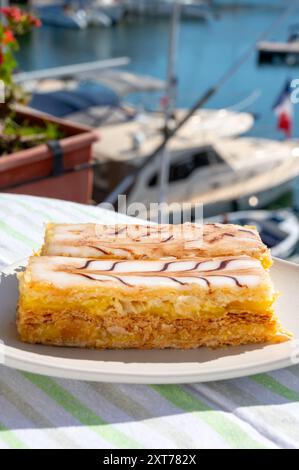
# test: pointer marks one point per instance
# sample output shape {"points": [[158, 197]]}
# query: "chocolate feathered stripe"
{"points": [[148, 266], [206, 270]]}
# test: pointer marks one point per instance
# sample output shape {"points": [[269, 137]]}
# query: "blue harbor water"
{"points": [[205, 51]]}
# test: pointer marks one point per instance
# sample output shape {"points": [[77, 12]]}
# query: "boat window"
{"points": [[184, 167]]}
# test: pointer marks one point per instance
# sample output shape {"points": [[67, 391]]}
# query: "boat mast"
{"points": [[170, 103]]}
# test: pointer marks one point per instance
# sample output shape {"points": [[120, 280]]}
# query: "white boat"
{"points": [[126, 145], [191, 9], [279, 229], [70, 16], [135, 140], [245, 171], [62, 16], [62, 93], [223, 175], [195, 10], [97, 17], [113, 9], [250, 3], [147, 126]]}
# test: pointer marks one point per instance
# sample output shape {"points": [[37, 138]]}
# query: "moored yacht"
{"points": [[222, 174]]}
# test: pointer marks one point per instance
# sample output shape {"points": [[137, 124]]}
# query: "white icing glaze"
{"points": [[234, 272], [151, 242]]}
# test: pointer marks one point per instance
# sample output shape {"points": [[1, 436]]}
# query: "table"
{"points": [[261, 411]]}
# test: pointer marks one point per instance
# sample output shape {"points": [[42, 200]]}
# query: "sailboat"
{"points": [[223, 174]]}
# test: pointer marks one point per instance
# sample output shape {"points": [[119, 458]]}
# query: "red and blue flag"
{"points": [[283, 109]]}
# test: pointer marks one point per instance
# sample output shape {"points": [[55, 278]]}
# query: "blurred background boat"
{"points": [[278, 229], [91, 93], [74, 15], [113, 9], [277, 53], [190, 9], [225, 175], [251, 3]]}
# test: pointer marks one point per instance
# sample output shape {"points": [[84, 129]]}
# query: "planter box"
{"points": [[31, 171]]}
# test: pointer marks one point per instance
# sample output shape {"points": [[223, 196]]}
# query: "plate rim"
{"points": [[149, 378], [99, 370]]}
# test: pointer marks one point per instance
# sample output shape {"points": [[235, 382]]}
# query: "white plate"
{"points": [[168, 366]]}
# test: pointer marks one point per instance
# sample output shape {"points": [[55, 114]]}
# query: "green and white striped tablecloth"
{"points": [[41, 412]]}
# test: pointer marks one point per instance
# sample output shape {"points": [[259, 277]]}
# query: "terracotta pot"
{"points": [[31, 171]]}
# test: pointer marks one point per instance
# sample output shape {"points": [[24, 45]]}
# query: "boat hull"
{"points": [[264, 198]]}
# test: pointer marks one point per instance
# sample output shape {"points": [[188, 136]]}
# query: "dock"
{"points": [[269, 52]]}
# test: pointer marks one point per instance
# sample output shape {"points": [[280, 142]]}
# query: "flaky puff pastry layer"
{"points": [[147, 304]]}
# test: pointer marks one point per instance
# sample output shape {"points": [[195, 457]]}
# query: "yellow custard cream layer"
{"points": [[147, 303], [154, 241]]}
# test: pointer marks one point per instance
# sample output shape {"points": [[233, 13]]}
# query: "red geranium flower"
{"points": [[34, 21], [8, 37], [5, 10], [12, 13]]}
